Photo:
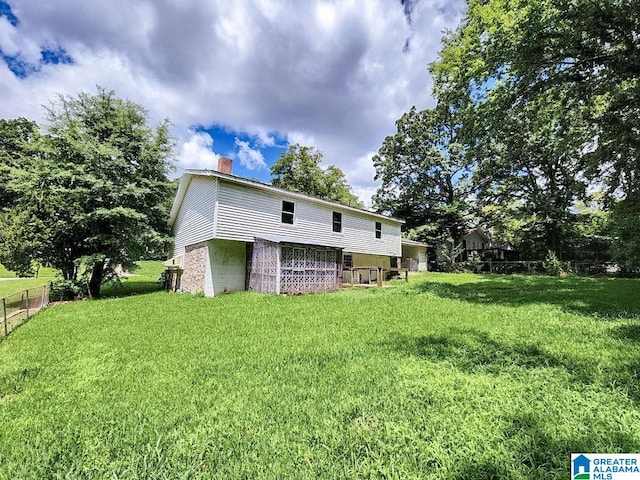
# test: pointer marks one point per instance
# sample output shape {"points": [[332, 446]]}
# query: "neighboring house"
{"points": [[235, 234], [477, 243], [414, 255]]}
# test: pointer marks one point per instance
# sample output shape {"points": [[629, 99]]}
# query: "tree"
{"points": [[575, 65], [96, 196], [298, 169], [19, 140], [424, 173], [625, 223], [534, 158]]}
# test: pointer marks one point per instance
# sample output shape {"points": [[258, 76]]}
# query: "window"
{"points": [[378, 230], [288, 209], [347, 261], [337, 222]]}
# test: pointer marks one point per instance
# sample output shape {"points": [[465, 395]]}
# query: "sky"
{"points": [[242, 79]]}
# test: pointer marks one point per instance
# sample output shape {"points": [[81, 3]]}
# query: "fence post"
{"points": [[27, 292], [379, 276], [4, 314]]}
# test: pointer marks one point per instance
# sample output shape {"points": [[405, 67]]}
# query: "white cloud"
{"points": [[335, 75], [197, 152], [249, 157]]}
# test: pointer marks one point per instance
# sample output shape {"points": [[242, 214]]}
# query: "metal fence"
{"points": [[17, 308]]}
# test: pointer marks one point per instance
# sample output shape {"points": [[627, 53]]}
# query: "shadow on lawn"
{"points": [[528, 434], [130, 287], [602, 297], [630, 332], [542, 455], [473, 351]]}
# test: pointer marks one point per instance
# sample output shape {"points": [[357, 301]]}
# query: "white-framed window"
{"points": [[288, 212], [378, 229]]}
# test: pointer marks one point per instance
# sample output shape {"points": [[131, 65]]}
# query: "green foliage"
{"points": [[593, 230], [423, 170], [17, 246], [448, 254], [65, 290], [468, 377], [19, 141], [298, 169], [474, 263], [98, 190], [550, 94], [552, 265], [625, 222]]}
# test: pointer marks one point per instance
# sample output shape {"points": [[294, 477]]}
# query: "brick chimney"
{"points": [[224, 165]]}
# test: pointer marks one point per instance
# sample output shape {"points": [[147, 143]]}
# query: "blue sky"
{"points": [[242, 79], [246, 150]]}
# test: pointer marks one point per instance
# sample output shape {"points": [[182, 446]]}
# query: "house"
{"points": [[414, 255], [478, 243], [232, 233]]}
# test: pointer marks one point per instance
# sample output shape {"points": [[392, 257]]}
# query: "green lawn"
{"points": [[446, 377], [144, 279], [42, 272], [7, 287]]}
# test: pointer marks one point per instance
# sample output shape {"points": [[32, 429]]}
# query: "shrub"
{"points": [[62, 290], [552, 264], [475, 264]]}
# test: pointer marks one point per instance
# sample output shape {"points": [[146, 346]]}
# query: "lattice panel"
{"points": [[308, 270], [264, 267]]}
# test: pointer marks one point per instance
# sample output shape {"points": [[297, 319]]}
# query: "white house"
{"points": [[234, 234]]}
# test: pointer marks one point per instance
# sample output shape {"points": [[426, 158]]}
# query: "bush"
{"points": [[63, 290], [474, 264], [552, 264]]}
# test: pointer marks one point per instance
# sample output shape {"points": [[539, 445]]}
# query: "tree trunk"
{"points": [[96, 279], [68, 272]]}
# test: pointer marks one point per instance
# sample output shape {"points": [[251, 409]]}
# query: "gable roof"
{"points": [[190, 173], [479, 231]]}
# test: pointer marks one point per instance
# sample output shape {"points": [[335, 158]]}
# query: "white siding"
{"points": [[195, 221], [245, 212], [228, 266]]}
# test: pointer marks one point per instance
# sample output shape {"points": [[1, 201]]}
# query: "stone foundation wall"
{"points": [[196, 258]]}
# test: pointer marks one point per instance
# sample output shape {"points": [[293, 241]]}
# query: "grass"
{"points": [[42, 272], [14, 285], [7, 287], [446, 377], [144, 280]]}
